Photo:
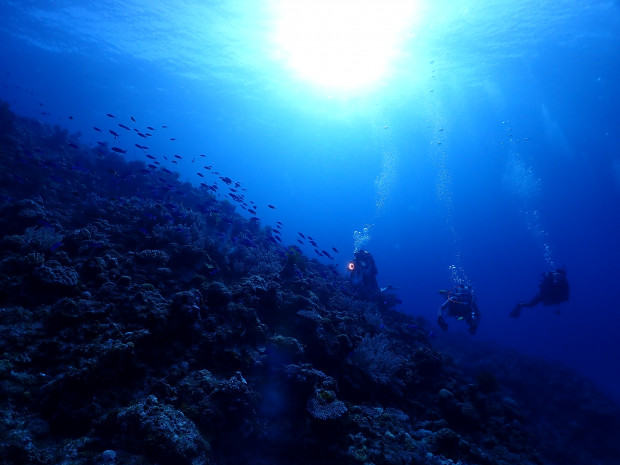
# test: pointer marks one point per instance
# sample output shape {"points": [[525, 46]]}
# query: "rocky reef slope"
{"points": [[144, 321]]}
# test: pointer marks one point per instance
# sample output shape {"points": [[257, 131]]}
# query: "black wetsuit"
{"points": [[461, 304], [553, 290], [364, 274]]}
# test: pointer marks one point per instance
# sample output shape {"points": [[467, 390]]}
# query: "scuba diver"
{"points": [[553, 290], [364, 274], [461, 304], [364, 278]]}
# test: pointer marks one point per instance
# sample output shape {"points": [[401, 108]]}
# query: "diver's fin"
{"points": [[389, 287]]}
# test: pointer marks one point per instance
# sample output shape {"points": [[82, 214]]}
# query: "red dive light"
{"points": [[351, 266]]}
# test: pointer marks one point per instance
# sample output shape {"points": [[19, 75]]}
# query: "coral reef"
{"points": [[142, 320]]}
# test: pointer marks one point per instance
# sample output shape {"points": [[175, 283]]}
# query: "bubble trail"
{"points": [[526, 187], [384, 182]]}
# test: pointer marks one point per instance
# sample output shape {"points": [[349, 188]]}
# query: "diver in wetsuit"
{"points": [[553, 290], [461, 304], [364, 274]]}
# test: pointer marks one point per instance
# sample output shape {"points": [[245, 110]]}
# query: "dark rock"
{"points": [[55, 279], [185, 309], [161, 433], [217, 294]]}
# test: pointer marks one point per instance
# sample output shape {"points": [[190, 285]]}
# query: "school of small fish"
{"points": [[217, 186]]}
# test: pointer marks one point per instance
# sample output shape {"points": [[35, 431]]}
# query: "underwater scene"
{"points": [[310, 232]]}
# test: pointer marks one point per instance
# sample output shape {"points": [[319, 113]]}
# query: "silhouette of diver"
{"points": [[553, 290], [364, 274], [364, 278], [461, 304]]}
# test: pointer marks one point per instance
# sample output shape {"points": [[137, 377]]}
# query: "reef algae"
{"points": [[143, 320]]}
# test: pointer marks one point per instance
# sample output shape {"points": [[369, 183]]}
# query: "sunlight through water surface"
{"points": [[342, 44]]}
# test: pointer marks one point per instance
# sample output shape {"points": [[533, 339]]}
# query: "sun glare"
{"points": [[342, 44]]}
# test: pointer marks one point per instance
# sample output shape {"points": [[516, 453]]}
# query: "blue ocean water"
{"points": [[463, 142]]}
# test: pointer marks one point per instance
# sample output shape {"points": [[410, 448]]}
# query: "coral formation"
{"points": [[142, 320]]}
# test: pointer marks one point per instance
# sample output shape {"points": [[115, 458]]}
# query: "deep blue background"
{"points": [[479, 83]]}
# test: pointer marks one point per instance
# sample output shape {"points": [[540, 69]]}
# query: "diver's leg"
{"points": [[440, 320], [535, 301], [517, 310], [474, 319]]}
